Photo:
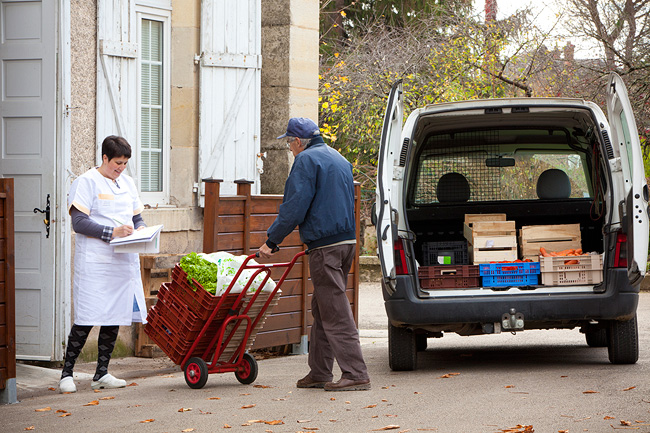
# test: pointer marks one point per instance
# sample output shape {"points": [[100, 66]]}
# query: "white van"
{"points": [[541, 162]]}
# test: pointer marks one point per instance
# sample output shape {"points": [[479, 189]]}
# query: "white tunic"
{"points": [[105, 282]]}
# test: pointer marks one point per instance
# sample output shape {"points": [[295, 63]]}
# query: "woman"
{"points": [[107, 288]]}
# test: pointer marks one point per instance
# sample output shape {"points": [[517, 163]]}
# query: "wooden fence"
{"points": [[238, 224], [7, 285]]}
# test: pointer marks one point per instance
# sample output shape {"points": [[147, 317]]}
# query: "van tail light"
{"points": [[620, 257], [400, 258]]}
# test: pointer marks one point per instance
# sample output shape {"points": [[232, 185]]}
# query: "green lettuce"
{"points": [[203, 271]]}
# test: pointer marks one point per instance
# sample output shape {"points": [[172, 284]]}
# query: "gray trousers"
{"points": [[334, 334]]}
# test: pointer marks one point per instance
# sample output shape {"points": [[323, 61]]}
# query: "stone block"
{"points": [[186, 13], [272, 180], [305, 14], [184, 127], [304, 58], [185, 44], [184, 166], [274, 12], [276, 48]]}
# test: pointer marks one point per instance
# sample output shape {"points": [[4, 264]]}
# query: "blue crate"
{"points": [[510, 280], [500, 269], [510, 274]]}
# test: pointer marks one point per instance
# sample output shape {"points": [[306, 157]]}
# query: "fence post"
{"points": [[357, 222], [211, 215], [8, 391], [244, 189]]}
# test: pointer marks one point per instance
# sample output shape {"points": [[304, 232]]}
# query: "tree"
{"points": [[622, 29]]}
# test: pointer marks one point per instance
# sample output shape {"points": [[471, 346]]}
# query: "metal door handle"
{"points": [[46, 221]]}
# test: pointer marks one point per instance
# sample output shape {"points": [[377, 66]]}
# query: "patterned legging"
{"points": [[105, 346]]}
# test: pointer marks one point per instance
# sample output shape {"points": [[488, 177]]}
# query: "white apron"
{"points": [[105, 283]]}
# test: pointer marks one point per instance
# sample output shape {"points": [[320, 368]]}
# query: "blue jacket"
{"points": [[318, 197]]}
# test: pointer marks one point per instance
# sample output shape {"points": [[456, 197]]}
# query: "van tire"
{"points": [[597, 338], [402, 350], [623, 341]]}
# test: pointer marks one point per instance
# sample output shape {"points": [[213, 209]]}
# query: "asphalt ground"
{"points": [[534, 381]]}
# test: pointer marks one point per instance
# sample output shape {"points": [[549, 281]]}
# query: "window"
{"points": [[154, 105], [488, 176]]}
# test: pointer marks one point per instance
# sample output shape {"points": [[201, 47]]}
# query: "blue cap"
{"points": [[301, 127]]}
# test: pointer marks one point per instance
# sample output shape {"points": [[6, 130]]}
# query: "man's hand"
{"points": [[265, 251]]}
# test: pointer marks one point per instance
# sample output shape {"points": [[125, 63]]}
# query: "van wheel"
{"points": [[597, 338], [421, 342], [402, 353], [623, 341]]}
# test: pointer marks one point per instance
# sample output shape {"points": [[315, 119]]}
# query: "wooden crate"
{"points": [[155, 270], [556, 237], [471, 218], [491, 241]]}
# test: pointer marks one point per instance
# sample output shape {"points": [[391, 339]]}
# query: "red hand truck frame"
{"points": [[196, 369]]}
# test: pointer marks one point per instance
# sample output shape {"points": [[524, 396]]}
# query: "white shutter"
{"points": [[117, 86], [229, 98]]}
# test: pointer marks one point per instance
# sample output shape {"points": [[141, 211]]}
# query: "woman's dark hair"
{"points": [[114, 147]]}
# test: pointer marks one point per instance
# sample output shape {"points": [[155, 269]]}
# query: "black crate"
{"points": [[455, 250]]}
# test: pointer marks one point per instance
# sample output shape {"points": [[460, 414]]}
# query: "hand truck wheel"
{"points": [[196, 373], [247, 371]]}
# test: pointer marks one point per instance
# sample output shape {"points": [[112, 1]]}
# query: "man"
{"points": [[319, 199]]}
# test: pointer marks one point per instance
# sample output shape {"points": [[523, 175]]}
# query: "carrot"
{"points": [[543, 251], [571, 262]]}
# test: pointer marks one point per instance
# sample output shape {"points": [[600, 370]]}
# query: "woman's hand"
{"points": [[122, 231]]}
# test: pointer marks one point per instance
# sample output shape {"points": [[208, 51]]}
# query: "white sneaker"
{"points": [[108, 381], [67, 385]]}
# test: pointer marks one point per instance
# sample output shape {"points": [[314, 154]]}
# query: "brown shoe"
{"points": [[308, 382], [348, 385]]}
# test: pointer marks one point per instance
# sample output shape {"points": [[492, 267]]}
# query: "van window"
{"points": [[488, 183]]}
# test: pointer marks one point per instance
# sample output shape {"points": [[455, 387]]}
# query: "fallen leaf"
{"points": [[61, 411], [92, 403], [187, 430], [303, 420], [226, 426], [274, 422], [509, 386], [628, 389], [214, 398], [45, 409], [563, 431], [590, 392], [370, 406], [262, 386], [248, 406], [623, 422], [148, 420], [185, 409], [384, 400], [391, 416], [609, 417], [52, 389], [64, 414], [416, 392], [132, 384], [205, 413], [388, 427], [31, 427], [564, 376], [96, 390], [448, 375], [246, 424], [107, 398], [332, 398]]}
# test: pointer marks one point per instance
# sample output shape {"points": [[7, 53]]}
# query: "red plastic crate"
{"points": [[197, 300], [449, 276], [169, 301], [173, 343]]}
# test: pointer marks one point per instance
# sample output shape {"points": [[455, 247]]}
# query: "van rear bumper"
{"points": [[618, 301]]}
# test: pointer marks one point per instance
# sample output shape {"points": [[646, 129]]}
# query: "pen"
{"points": [[118, 222]]}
